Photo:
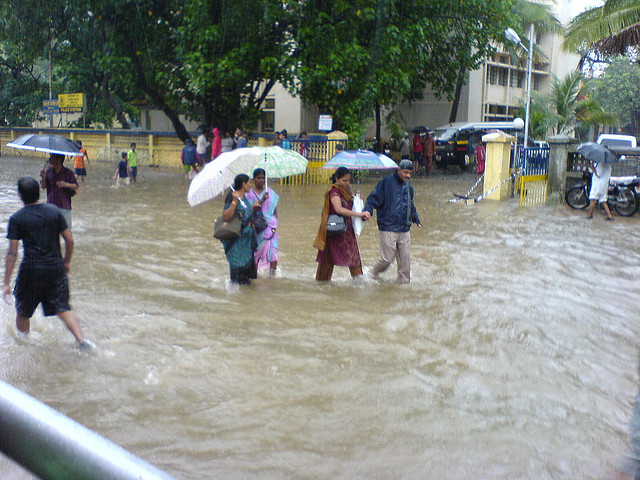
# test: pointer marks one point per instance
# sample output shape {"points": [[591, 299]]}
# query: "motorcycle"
{"points": [[623, 194]]}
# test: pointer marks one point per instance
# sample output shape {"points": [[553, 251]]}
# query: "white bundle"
{"points": [[358, 206]]}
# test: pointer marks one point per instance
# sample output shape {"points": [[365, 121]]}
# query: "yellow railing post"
{"points": [[151, 156]]}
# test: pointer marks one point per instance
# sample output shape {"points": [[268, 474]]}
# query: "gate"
{"points": [[533, 163]]}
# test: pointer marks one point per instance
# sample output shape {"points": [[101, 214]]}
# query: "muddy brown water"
{"points": [[512, 353]]}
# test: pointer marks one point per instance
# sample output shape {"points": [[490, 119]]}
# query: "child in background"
{"points": [[121, 176], [78, 163]]}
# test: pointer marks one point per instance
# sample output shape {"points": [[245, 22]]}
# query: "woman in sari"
{"points": [[239, 251], [338, 249], [266, 200]]}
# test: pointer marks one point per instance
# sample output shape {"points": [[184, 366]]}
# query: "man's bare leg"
{"points": [[71, 321]]}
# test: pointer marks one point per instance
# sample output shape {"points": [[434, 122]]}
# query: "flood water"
{"points": [[513, 353]]}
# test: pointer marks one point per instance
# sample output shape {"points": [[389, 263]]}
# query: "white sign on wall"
{"points": [[325, 123]]}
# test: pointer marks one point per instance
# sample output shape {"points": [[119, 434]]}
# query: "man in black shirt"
{"points": [[42, 277]]}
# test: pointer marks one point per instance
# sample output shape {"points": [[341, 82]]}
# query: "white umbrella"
{"points": [[216, 176]]}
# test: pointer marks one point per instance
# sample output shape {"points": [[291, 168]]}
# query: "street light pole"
{"points": [[529, 68], [513, 37]]}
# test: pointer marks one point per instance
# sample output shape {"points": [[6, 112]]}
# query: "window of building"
{"points": [[517, 79], [496, 113], [498, 76], [268, 123], [536, 82]]}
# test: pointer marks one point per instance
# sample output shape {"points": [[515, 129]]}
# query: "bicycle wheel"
{"points": [[577, 197], [626, 203]]}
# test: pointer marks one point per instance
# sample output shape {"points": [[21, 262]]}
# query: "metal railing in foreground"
{"points": [[54, 447]]}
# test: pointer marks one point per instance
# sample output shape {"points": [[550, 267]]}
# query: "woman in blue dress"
{"points": [[239, 251]]}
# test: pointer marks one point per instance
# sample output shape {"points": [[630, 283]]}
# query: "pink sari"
{"points": [[267, 250]]}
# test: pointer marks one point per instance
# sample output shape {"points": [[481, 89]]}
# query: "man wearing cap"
{"points": [[393, 200]]}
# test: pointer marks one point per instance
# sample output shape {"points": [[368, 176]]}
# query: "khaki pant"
{"points": [[394, 245]]}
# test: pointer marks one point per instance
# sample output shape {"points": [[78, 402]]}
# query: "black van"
{"points": [[452, 140]]}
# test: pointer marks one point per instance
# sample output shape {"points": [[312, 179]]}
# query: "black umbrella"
{"points": [[420, 129], [46, 144], [596, 153]]}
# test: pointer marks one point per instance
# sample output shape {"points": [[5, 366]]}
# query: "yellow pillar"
{"points": [[337, 136], [151, 152], [496, 169]]}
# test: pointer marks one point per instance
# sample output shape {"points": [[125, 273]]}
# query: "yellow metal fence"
{"points": [[163, 149]]}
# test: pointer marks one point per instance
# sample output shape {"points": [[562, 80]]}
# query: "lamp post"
{"points": [[512, 36]]}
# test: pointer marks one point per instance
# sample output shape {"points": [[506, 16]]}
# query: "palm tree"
{"points": [[570, 98], [609, 29]]}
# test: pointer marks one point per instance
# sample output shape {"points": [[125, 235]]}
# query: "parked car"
{"points": [[615, 140], [452, 140]]}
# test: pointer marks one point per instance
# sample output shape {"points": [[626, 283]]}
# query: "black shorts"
{"points": [[47, 286]]}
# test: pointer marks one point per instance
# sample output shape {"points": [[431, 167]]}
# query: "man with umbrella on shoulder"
{"points": [[60, 183]]}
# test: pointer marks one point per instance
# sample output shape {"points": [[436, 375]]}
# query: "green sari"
{"points": [[239, 251]]}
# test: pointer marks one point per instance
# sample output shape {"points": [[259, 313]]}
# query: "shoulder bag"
{"points": [[223, 230], [336, 225]]}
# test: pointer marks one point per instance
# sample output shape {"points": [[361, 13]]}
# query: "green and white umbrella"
{"points": [[218, 175], [277, 162]]}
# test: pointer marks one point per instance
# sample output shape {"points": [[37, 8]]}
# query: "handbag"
{"points": [[223, 230], [258, 220], [336, 225]]}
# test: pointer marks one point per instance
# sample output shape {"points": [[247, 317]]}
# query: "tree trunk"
{"points": [[122, 118], [378, 122], [456, 95], [156, 98]]}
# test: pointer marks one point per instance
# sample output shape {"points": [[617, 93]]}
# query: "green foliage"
{"points": [[375, 53], [541, 115], [618, 90], [217, 60], [608, 29], [568, 106]]}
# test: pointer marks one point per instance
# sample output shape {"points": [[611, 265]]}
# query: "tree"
{"points": [[374, 54], [571, 99], [618, 91], [610, 29], [523, 13]]}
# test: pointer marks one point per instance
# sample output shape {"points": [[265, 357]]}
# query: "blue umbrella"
{"points": [[360, 160], [597, 153]]}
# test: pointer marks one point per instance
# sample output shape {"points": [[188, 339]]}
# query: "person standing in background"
{"points": [[201, 148], [227, 144], [417, 152], [285, 143], [242, 141], [132, 159], [216, 144], [428, 151], [121, 176], [78, 162], [405, 147]]}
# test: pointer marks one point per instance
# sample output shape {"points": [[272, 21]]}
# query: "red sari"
{"points": [[339, 250]]}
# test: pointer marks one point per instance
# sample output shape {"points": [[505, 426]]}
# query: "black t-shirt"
{"points": [[39, 227]]}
